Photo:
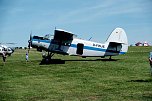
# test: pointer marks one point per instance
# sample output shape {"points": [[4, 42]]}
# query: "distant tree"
{"points": [[25, 48]]}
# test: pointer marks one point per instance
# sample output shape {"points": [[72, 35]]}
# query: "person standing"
{"points": [[26, 56], [150, 62], [4, 57]]}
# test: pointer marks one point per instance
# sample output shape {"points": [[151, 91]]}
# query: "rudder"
{"points": [[118, 42], [118, 36]]}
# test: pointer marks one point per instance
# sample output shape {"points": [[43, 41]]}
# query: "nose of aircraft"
{"points": [[12, 50]]}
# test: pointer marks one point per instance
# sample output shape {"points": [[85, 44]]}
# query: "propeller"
{"points": [[29, 42]]}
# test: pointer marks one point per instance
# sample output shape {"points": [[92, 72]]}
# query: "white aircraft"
{"points": [[66, 43], [7, 50]]}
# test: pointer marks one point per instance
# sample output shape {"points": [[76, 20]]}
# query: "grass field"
{"points": [[86, 79]]}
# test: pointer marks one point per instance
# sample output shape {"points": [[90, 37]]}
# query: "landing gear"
{"points": [[110, 58], [48, 59]]}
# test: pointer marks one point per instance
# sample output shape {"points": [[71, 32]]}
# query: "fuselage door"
{"points": [[80, 48]]}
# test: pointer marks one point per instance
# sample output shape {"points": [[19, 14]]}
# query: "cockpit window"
{"points": [[37, 37], [40, 38], [9, 49], [5, 49]]}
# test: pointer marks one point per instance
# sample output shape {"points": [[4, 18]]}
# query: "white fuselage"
{"points": [[65, 43], [87, 48]]}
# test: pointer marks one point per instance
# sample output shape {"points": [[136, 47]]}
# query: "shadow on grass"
{"points": [[59, 61], [2, 65], [52, 61], [148, 80], [95, 60]]}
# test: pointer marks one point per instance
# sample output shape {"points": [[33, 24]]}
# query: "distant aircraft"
{"points": [[66, 43], [7, 50]]}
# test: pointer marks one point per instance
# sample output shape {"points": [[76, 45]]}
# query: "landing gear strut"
{"points": [[110, 58], [49, 56], [48, 59]]}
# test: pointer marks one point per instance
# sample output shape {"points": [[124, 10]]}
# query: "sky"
{"points": [[85, 18]]}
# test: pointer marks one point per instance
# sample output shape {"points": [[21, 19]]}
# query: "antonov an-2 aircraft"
{"points": [[66, 43]]}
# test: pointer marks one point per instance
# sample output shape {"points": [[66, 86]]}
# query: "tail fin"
{"points": [[118, 42], [118, 36]]}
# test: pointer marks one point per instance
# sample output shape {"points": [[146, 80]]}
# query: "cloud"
{"points": [[101, 10], [82, 14]]}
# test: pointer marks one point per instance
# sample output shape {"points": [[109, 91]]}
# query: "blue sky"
{"points": [[85, 18]]}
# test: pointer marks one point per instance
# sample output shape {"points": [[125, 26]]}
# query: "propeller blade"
{"points": [[29, 42], [30, 36]]}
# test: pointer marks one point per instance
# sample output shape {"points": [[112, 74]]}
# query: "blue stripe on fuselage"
{"points": [[75, 46], [45, 41], [93, 48], [89, 48]]}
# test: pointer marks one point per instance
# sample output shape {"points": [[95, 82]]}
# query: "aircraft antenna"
{"points": [[90, 38]]}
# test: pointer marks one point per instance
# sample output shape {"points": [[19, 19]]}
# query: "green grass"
{"points": [[90, 79]]}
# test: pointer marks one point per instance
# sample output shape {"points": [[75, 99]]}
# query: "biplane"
{"points": [[6, 50], [66, 43]]}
